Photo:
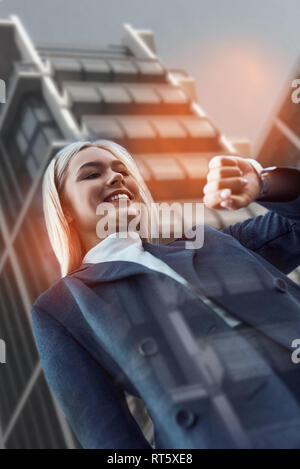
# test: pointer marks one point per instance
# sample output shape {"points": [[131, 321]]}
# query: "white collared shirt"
{"points": [[128, 247]]}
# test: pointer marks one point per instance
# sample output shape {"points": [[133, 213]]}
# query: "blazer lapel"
{"points": [[179, 259]]}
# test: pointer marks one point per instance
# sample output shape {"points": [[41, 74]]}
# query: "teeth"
{"points": [[118, 196]]}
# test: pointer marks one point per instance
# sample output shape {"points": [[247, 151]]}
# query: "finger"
{"points": [[234, 202], [235, 184], [231, 202], [222, 160], [213, 199], [224, 172], [245, 165]]}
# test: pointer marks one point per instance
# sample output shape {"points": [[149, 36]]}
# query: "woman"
{"points": [[196, 333]]}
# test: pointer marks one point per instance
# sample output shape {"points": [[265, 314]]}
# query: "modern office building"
{"points": [[55, 95], [280, 140]]}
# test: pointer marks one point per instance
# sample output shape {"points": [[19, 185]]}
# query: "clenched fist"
{"points": [[232, 182]]}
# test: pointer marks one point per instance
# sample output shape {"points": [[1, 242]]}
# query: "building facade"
{"points": [[280, 141], [55, 95]]}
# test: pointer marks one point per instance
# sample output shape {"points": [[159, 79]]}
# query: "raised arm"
{"points": [[275, 235], [93, 404], [234, 182]]}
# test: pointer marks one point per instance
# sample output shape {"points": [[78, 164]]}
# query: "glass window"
{"points": [[37, 426], [51, 133], [142, 167], [171, 94], [148, 67], [143, 94], [82, 93], [16, 164], [22, 142], [137, 128], [26, 145], [29, 123], [95, 65], [195, 166], [42, 114], [30, 137], [31, 166], [101, 127], [66, 64], [36, 258], [168, 128], [114, 94], [39, 148], [165, 168], [123, 67], [9, 200], [198, 128], [20, 346]]}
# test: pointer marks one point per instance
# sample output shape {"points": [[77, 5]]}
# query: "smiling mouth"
{"points": [[123, 201], [118, 195]]}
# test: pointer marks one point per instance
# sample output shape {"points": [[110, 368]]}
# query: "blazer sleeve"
{"points": [[93, 404], [275, 235]]}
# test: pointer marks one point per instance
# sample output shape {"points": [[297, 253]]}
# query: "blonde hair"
{"points": [[64, 238]]}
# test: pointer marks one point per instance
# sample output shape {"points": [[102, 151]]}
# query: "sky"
{"points": [[241, 53]]}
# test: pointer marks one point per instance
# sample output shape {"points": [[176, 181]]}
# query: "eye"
{"points": [[92, 176]]}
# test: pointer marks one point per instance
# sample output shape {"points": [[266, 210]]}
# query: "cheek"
{"points": [[81, 204], [134, 188]]}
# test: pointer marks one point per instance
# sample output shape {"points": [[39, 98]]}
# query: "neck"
{"points": [[90, 241]]}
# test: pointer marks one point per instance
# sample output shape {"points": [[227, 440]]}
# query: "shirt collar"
{"points": [[113, 245]]}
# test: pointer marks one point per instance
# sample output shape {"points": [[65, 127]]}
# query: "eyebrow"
{"points": [[98, 164]]}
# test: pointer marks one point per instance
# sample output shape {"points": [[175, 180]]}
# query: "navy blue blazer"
{"points": [[116, 328]]}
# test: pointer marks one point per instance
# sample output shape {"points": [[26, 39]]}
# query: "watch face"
{"points": [[264, 176]]}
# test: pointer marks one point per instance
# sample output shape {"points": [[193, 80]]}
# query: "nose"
{"points": [[115, 178]]}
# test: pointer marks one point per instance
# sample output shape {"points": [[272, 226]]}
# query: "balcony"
{"points": [[151, 134], [105, 70], [126, 98]]}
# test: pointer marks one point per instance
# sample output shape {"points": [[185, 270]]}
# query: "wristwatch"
{"points": [[264, 177]]}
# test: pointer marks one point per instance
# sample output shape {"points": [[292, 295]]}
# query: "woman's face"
{"points": [[93, 175]]}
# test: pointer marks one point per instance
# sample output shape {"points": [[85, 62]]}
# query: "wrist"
{"points": [[265, 182], [256, 165]]}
